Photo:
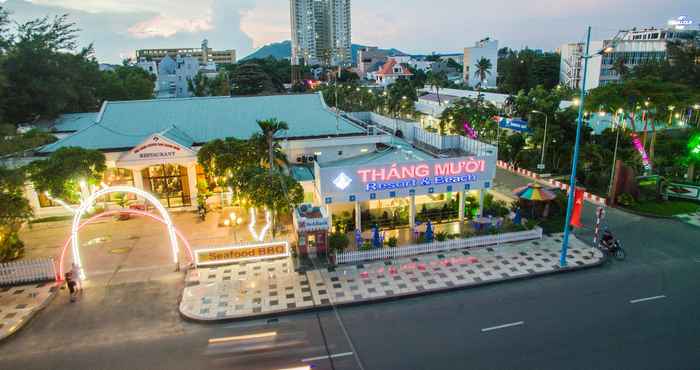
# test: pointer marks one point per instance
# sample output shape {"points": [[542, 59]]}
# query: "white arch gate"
{"points": [[88, 203]]}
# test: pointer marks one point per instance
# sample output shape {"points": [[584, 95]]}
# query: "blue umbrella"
{"points": [[429, 232], [358, 237], [375, 237]]}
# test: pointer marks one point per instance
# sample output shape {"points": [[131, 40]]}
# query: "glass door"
{"points": [[169, 183]]}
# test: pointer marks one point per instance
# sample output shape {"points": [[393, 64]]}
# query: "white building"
{"points": [[149, 66], [635, 47], [485, 48], [321, 32], [173, 75], [390, 72]]}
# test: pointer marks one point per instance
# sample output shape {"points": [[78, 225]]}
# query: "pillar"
{"points": [[138, 181], [330, 218], [412, 213], [481, 202], [192, 181], [461, 206], [358, 216]]}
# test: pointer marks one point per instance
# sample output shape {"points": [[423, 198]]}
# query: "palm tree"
{"points": [[436, 81], [483, 69], [269, 128]]}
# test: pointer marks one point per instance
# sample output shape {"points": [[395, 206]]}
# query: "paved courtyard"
{"points": [[248, 290], [19, 303]]}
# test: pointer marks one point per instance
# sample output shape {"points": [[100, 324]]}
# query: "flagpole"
{"points": [[574, 161]]}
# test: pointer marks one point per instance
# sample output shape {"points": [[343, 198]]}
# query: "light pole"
{"points": [[574, 161], [617, 138], [544, 138]]}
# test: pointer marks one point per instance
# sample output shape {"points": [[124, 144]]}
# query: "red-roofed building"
{"points": [[392, 71]]}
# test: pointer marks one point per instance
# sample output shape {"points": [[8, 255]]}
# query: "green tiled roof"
{"points": [[302, 173], [126, 124], [175, 134], [400, 152], [73, 121]]}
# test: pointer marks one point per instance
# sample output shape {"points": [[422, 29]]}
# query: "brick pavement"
{"points": [[248, 290], [19, 303]]}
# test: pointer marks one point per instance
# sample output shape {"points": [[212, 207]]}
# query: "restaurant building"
{"points": [[361, 168]]}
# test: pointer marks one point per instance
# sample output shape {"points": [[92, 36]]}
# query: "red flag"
{"points": [[578, 207]]}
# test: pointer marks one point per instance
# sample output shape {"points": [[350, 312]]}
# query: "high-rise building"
{"points": [[321, 32], [633, 47], [487, 49], [205, 54]]}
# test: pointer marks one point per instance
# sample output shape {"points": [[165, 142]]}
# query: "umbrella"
{"points": [[429, 232], [358, 237], [375, 237], [534, 192]]}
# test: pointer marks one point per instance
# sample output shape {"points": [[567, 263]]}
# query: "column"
{"points": [[330, 218], [138, 181], [461, 206], [481, 202], [358, 215], [192, 180], [412, 213]]}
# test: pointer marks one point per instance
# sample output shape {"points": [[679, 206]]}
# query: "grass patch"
{"points": [[552, 224], [665, 208], [50, 219]]}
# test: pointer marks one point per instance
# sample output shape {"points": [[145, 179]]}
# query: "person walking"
{"points": [[71, 285], [75, 270]]}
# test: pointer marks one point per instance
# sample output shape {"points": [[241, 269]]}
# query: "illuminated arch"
{"points": [[87, 204], [61, 268]]}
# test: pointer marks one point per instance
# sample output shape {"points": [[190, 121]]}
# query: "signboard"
{"points": [[683, 191], [540, 166], [514, 124], [157, 149], [405, 178], [240, 253]]}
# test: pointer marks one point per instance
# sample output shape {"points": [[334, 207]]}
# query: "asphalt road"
{"points": [[638, 314]]}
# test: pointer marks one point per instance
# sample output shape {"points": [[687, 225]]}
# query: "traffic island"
{"points": [[272, 287], [18, 304]]}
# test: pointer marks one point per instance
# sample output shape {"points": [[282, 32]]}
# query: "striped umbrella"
{"points": [[534, 192]]}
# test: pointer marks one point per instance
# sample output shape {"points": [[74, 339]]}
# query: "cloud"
{"points": [[162, 26]]}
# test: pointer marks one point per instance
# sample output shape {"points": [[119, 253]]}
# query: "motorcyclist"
{"points": [[607, 239]]}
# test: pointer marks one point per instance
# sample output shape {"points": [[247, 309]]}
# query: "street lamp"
{"points": [[617, 138], [574, 161], [544, 138]]}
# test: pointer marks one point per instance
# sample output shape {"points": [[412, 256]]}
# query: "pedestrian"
{"points": [[71, 285], [75, 271]]}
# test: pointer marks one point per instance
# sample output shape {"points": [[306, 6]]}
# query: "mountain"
{"points": [[283, 50]]}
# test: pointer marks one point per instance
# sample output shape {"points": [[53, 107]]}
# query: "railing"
{"points": [[27, 271], [478, 241]]}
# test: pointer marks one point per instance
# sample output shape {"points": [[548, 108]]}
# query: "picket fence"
{"points": [[436, 246], [27, 271]]}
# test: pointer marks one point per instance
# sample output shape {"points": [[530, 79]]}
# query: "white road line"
{"points": [[325, 357], [647, 299], [502, 326]]}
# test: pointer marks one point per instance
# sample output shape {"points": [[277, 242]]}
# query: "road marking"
{"points": [[647, 299], [697, 259], [326, 356], [269, 334], [502, 326]]}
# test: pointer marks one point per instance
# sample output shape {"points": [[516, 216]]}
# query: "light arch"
{"points": [[88, 203]]}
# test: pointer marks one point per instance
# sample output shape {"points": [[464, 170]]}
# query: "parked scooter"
{"points": [[613, 248]]}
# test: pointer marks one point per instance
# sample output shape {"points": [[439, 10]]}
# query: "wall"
{"points": [[485, 49]]}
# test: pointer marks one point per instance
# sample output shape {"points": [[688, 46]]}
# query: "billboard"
{"points": [[239, 253], [515, 124], [363, 182]]}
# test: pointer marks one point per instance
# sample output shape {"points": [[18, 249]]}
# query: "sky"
{"points": [[118, 27]]}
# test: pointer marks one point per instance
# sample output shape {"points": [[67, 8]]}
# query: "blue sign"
{"points": [[515, 124], [329, 200], [352, 198]]}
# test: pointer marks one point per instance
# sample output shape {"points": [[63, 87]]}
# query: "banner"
{"points": [[578, 207], [239, 253]]}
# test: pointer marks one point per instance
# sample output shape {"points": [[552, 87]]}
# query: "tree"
{"points": [[15, 210], [477, 112], [61, 173], [13, 142], [250, 79], [201, 85], [620, 67], [269, 128], [525, 69], [125, 83], [436, 81], [198, 85], [482, 69], [277, 192]]}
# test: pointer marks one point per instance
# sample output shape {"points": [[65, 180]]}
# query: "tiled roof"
{"points": [[126, 124], [70, 122], [400, 152], [388, 69]]}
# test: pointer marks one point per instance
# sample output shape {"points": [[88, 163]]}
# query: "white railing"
{"points": [[27, 271], [477, 241]]}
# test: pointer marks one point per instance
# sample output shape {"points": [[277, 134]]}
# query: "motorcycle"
{"points": [[613, 248]]}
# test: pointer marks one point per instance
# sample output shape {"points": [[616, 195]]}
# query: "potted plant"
{"points": [[392, 242]]}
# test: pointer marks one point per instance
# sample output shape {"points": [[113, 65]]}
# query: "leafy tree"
{"points": [[525, 69], [250, 79], [436, 81], [477, 112], [276, 191], [15, 210], [12, 142], [620, 67], [125, 83], [60, 174], [201, 85], [482, 69], [270, 127]]}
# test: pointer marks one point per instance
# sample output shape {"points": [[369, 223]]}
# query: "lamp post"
{"points": [[574, 161], [544, 138]]}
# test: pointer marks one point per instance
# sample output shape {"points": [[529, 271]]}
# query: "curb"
{"points": [[644, 214], [326, 307], [31, 314]]}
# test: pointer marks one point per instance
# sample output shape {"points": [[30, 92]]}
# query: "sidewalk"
{"points": [[690, 218], [19, 303], [272, 287]]}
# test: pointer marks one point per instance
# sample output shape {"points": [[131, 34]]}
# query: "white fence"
{"points": [[477, 241], [27, 271]]}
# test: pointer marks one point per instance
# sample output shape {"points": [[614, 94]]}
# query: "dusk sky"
{"points": [[118, 27]]}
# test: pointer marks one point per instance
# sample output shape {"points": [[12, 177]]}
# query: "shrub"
{"points": [[337, 242], [452, 236], [392, 242], [11, 247], [625, 199], [441, 236]]}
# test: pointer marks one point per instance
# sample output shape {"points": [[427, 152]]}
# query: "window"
{"points": [[169, 183], [116, 177]]}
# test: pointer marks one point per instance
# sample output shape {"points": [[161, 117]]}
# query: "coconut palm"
{"points": [[269, 128], [620, 67], [482, 70], [436, 81]]}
